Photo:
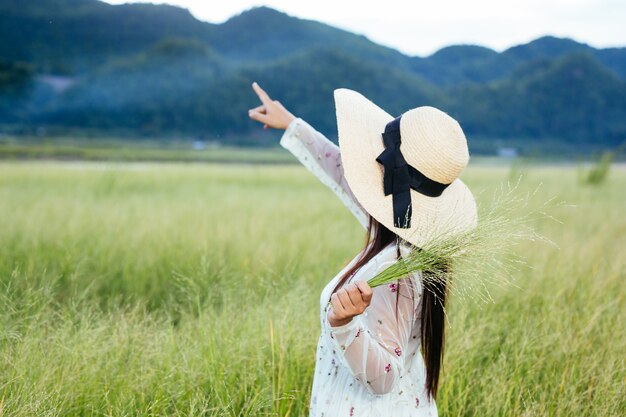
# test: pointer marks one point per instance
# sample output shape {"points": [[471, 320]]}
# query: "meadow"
{"points": [[164, 289], [119, 150]]}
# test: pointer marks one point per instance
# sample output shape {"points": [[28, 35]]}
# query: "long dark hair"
{"points": [[433, 302]]}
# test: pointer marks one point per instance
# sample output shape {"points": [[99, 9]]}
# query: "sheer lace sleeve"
{"points": [[373, 345], [322, 158]]}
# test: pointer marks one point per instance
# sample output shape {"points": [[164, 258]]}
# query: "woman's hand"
{"points": [[271, 113], [349, 301]]}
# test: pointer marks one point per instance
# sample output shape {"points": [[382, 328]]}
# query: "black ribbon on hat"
{"points": [[399, 177]]}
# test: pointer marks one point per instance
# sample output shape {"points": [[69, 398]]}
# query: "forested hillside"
{"points": [[154, 70]]}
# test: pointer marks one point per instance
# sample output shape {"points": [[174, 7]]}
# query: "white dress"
{"points": [[371, 366]]}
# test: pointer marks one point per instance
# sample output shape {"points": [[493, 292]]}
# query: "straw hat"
{"points": [[407, 178]]}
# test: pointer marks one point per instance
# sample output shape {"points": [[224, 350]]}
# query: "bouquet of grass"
{"points": [[473, 261]]}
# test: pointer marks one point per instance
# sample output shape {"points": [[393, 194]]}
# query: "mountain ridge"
{"points": [[238, 36], [157, 70]]}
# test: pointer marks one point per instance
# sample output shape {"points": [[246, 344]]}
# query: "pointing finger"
{"points": [[265, 98]]}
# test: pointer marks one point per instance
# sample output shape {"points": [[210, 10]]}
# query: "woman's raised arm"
{"points": [[316, 152]]}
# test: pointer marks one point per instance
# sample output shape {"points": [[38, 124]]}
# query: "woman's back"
{"points": [[373, 364], [405, 171]]}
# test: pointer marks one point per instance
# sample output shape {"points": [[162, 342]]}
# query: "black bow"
{"points": [[399, 177]]}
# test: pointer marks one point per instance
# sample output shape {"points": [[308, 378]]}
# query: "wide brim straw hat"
{"points": [[432, 143]]}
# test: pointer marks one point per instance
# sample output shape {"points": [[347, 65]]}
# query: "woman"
{"points": [[380, 349]]}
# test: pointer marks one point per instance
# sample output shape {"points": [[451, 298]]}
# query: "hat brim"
{"points": [[360, 123]]}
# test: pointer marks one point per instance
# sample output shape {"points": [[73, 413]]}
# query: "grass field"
{"points": [[97, 149], [188, 290]]}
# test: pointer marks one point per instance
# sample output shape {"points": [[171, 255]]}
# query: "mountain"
{"points": [[262, 34], [75, 36], [613, 58], [545, 47], [45, 7], [575, 94], [117, 94], [151, 82], [72, 36], [309, 78], [460, 64], [549, 47], [573, 98], [145, 69]]}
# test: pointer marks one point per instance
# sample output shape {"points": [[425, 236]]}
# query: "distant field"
{"points": [[135, 151], [150, 150], [159, 289]]}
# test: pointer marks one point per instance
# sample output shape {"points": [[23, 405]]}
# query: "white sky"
{"points": [[421, 27]]}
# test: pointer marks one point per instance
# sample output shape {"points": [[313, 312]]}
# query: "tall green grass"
{"points": [[193, 290], [598, 172]]}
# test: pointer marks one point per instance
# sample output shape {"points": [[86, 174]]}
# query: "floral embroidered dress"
{"points": [[371, 366]]}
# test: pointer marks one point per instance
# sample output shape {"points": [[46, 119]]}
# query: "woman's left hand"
{"points": [[349, 301]]}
